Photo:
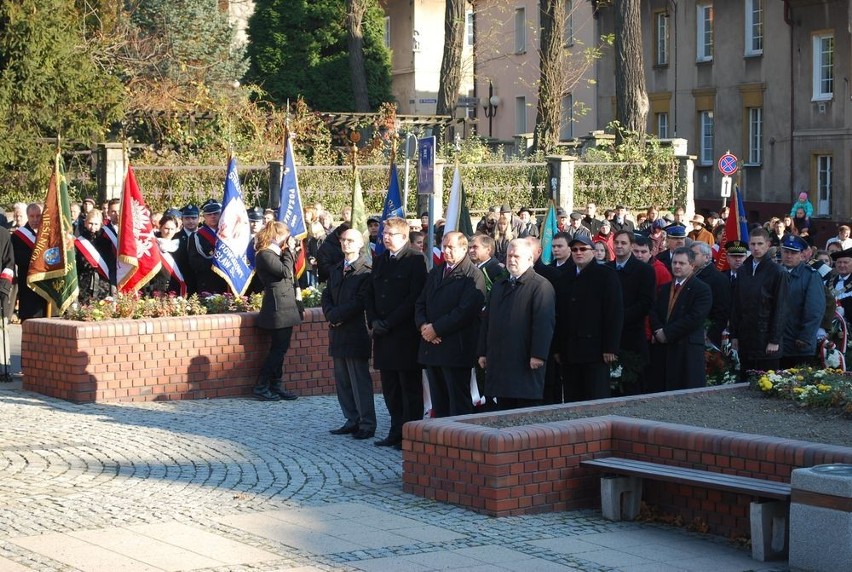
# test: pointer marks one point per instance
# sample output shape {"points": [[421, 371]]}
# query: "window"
{"points": [[705, 155], [566, 124], [755, 135], [569, 23], [754, 27], [469, 27], [823, 67], [661, 39], [824, 182], [520, 30], [520, 114], [704, 33], [387, 32], [663, 125]]}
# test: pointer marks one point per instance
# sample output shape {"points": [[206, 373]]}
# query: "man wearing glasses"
{"points": [[395, 283], [589, 318]]}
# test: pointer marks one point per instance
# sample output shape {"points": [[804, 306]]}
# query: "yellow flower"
{"points": [[824, 387], [764, 383], [800, 378], [798, 390]]}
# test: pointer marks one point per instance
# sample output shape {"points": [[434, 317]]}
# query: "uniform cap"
{"points": [[189, 210], [795, 243], [676, 231], [736, 248], [211, 207], [255, 214]]}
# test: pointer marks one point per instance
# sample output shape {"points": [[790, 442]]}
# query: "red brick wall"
{"points": [[536, 468], [192, 357]]}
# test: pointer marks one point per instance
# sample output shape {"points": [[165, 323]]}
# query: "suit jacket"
{"points": [[589, 314], [494, 271], [393, 288], [343, 306], [279, 308], [7, 273], [184, 237], [452, 304], [684, 331], [200, 257], [516, 326], [720, 313], [30, 304], [760, 307], [638, 290]]}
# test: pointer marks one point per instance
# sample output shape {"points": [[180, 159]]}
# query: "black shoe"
{"points": [[266, 395], [363, 434], [286, 395], [387, 442], [345, 430], [398, 446]]}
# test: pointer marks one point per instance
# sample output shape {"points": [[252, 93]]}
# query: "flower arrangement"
{"points": [[721, 365], [312, 296], [807, 386], [161, 305]]}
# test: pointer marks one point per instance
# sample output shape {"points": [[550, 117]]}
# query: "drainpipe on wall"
{"points": [[788, 19]]}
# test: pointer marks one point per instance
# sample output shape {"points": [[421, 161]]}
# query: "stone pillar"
{"points": [[821, 518], [560, 180], [110, 171], [276, 171], [523, 144], [685, 175]]}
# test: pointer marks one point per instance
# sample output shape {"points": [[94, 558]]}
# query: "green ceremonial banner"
{"points": [[359, 211], [53, 266], [548, 231]]}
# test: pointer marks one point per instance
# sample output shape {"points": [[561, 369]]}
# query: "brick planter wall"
{"points": [[191, 357], [536, 468]]}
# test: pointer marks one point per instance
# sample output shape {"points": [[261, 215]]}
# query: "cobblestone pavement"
{"points": [[235, 484]]}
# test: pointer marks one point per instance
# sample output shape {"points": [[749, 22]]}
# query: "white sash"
{"points": [[91, 254], [170, 265]]}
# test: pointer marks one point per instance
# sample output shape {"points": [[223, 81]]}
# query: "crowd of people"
{"points": [[641, 294]]}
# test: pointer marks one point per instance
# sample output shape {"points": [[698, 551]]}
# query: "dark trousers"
{"points": [[273, 365], [507, 403], [403, 393], [585, 381], [449, 388], [787, 362], [747, 364], [355, 392], [553, 386]]}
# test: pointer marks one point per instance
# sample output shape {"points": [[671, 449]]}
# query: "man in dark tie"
{"points": [[737, 252], [677, 323]]}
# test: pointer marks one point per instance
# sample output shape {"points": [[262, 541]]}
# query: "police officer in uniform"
{"points": [[201, 248], [189, 224]]}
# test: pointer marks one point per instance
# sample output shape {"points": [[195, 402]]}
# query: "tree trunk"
{"points": [[631, 99], [552, 82], [355, 10], [451, 63]]}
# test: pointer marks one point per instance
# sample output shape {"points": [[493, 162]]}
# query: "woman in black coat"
{"points": [[279, 311]]}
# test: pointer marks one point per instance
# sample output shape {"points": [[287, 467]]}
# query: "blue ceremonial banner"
{"points": [[290, 201], [393, 206], [548, 231], [233, 236]]}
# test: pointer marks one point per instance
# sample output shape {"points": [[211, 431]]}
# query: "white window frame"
{"points": [[754, 27], [705, 139], [569, 23], [661, 48], [825, 181], [823, 66], [566, 123], [704, 32], [520, 30], [469, 30], [663, 125], [755, 135], [387, 32], [520, 114]]}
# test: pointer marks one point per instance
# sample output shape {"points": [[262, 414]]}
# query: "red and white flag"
{"points": [[138, 254]]}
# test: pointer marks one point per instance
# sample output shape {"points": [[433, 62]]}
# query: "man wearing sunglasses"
{"points": [[589, 318]]}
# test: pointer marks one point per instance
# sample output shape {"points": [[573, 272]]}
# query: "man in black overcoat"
{"points": [[517, 328], [638, 290], [348, 339], [677, 323], [395, 283], [7, 275], [30, 304], [447, 316], [720, 287], [589, 316]]}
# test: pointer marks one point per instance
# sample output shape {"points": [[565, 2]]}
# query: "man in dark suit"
{"points": [[30, 304], [528, 227], [638, 290], [589, 316], [720, 287], [447, 315], [189, 224], [524, 304], [677, 321], [481, 252], [395, 283], [348, 339], [620, 220]]}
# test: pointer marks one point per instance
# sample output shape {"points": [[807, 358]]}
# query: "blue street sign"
{"points": [[426, 166], [728, 164]]}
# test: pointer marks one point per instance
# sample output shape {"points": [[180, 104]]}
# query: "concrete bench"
{"points": [[621, 497]]}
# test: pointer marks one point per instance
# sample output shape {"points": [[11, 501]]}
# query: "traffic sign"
{"points": [[728, 164], [426, 166], [726, 187]]}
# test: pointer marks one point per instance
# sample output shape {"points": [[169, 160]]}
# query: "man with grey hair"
{"points": [[720, 286], [522, 304]]}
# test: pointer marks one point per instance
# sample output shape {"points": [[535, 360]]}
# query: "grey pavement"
{"points": [[240, 485]]}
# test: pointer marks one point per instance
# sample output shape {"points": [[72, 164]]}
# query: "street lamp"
{"points": [[490, 106]]}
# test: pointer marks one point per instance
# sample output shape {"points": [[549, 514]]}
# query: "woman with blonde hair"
{"points": [[503, 235], [279, 310]]}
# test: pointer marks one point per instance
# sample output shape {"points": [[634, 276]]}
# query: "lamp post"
{"points": [[491, 106]]}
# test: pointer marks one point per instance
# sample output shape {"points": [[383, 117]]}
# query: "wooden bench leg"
{"points": [[769, 530], [612, 491]]}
